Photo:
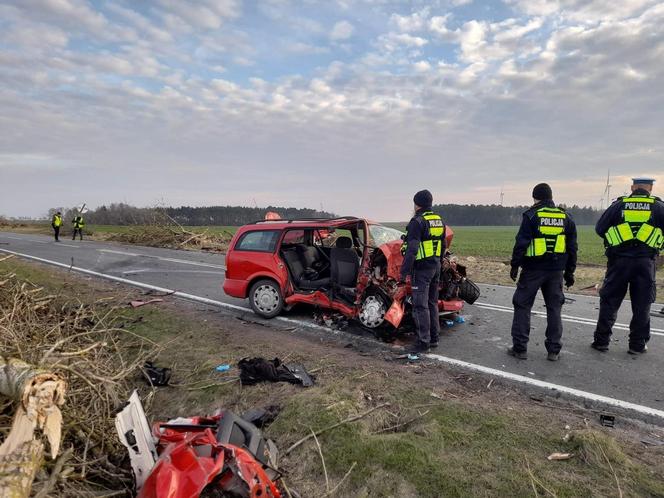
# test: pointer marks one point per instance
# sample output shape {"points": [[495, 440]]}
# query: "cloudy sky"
{"points": [[348, 104]]}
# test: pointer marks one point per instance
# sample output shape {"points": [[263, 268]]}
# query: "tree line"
{"points": [[124, 214], [483, 215], [454, 214]]}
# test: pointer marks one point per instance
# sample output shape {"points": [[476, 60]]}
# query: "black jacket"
{"points": [[553, 262], [614, 216], [415, 232]]}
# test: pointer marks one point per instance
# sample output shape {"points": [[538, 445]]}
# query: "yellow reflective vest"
{"points": [[78, 222], [636, 227], [550, 236], [57, 220], [431, 244]]}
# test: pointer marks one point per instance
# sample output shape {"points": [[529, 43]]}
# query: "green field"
{"points": [[497, 243]]}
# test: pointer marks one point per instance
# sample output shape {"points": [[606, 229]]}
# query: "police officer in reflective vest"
{"points": [[632, 229], [78, 226], [546, 250], [423, 250], [56, 223]]}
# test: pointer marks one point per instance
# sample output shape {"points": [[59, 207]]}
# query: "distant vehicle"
{"points": [[348, 265]]}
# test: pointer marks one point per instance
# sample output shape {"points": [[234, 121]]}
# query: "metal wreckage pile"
{"points": [[66, 367]]}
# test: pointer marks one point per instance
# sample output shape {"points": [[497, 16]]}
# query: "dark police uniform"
{"points": [[423, 249], [545, 247], [632, 231]]}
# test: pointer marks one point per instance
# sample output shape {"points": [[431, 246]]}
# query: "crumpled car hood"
{"points": [[392, 252]]}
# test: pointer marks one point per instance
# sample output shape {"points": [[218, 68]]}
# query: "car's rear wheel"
{"points": [[265, 298]]}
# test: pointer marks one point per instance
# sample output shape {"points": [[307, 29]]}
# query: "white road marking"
{"points": [[566, 318], [642, 409], [65, 245], [135, 272], [26, 240], [577, 393], [172, 260]]}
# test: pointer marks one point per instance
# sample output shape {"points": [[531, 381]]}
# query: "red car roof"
{"points": [[304, 222]]}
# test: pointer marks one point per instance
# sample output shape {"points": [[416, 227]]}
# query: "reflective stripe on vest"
{"points": [[78, 223], [637, 212], [551, 233], [432, 245]]}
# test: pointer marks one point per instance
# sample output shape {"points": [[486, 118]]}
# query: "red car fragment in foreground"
{"points": [[222, 455], [192, 462]]}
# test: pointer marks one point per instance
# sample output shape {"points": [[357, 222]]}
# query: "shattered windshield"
{"points": [[379, 235]]}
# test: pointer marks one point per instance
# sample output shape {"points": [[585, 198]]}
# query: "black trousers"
{"points": [[551, 284], [80, 233], [639, 275], [56, 230], [424, 284]]}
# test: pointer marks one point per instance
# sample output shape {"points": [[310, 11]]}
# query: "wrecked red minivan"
{"points": [[348, 265]]}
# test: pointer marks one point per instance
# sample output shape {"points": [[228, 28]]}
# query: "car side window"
{"points": [[258, 240], [293, 237]]}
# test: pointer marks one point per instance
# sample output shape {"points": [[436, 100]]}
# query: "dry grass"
{"points": [[99, 360], [164, 231]]}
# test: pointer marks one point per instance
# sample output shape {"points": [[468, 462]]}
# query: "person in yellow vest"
{"points": [[423, 250], [545, 249], [78, 226], [56, 223], [633, 232]]}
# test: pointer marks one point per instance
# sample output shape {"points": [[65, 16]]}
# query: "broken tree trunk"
{"points": [[39, 395]]}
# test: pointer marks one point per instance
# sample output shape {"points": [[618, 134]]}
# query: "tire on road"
{"points": [[265, 298]]}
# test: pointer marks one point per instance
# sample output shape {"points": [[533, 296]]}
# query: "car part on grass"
{"points": [[262, 417], [255, 370], [157, 376], [134, 433], [607, 420], [222, 455]]}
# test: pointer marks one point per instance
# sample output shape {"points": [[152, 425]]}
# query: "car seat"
{"points": [[345, 266]]}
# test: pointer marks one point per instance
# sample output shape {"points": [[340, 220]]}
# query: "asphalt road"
{"points": [[481, 340]]}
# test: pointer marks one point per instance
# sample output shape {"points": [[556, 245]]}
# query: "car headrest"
{"points": [[344, 243]]}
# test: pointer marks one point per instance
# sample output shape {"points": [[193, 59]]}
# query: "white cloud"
{"points": [[342, 30], [422, 66], [414, 22]]}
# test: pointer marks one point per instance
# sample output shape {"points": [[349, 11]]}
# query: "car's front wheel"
{"points": [[265, 298]]}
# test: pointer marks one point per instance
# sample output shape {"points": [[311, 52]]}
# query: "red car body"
{"points": [[378, 273]]}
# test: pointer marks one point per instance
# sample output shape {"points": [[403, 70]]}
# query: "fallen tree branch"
{"points": [[334, 426], [402, 424]]}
